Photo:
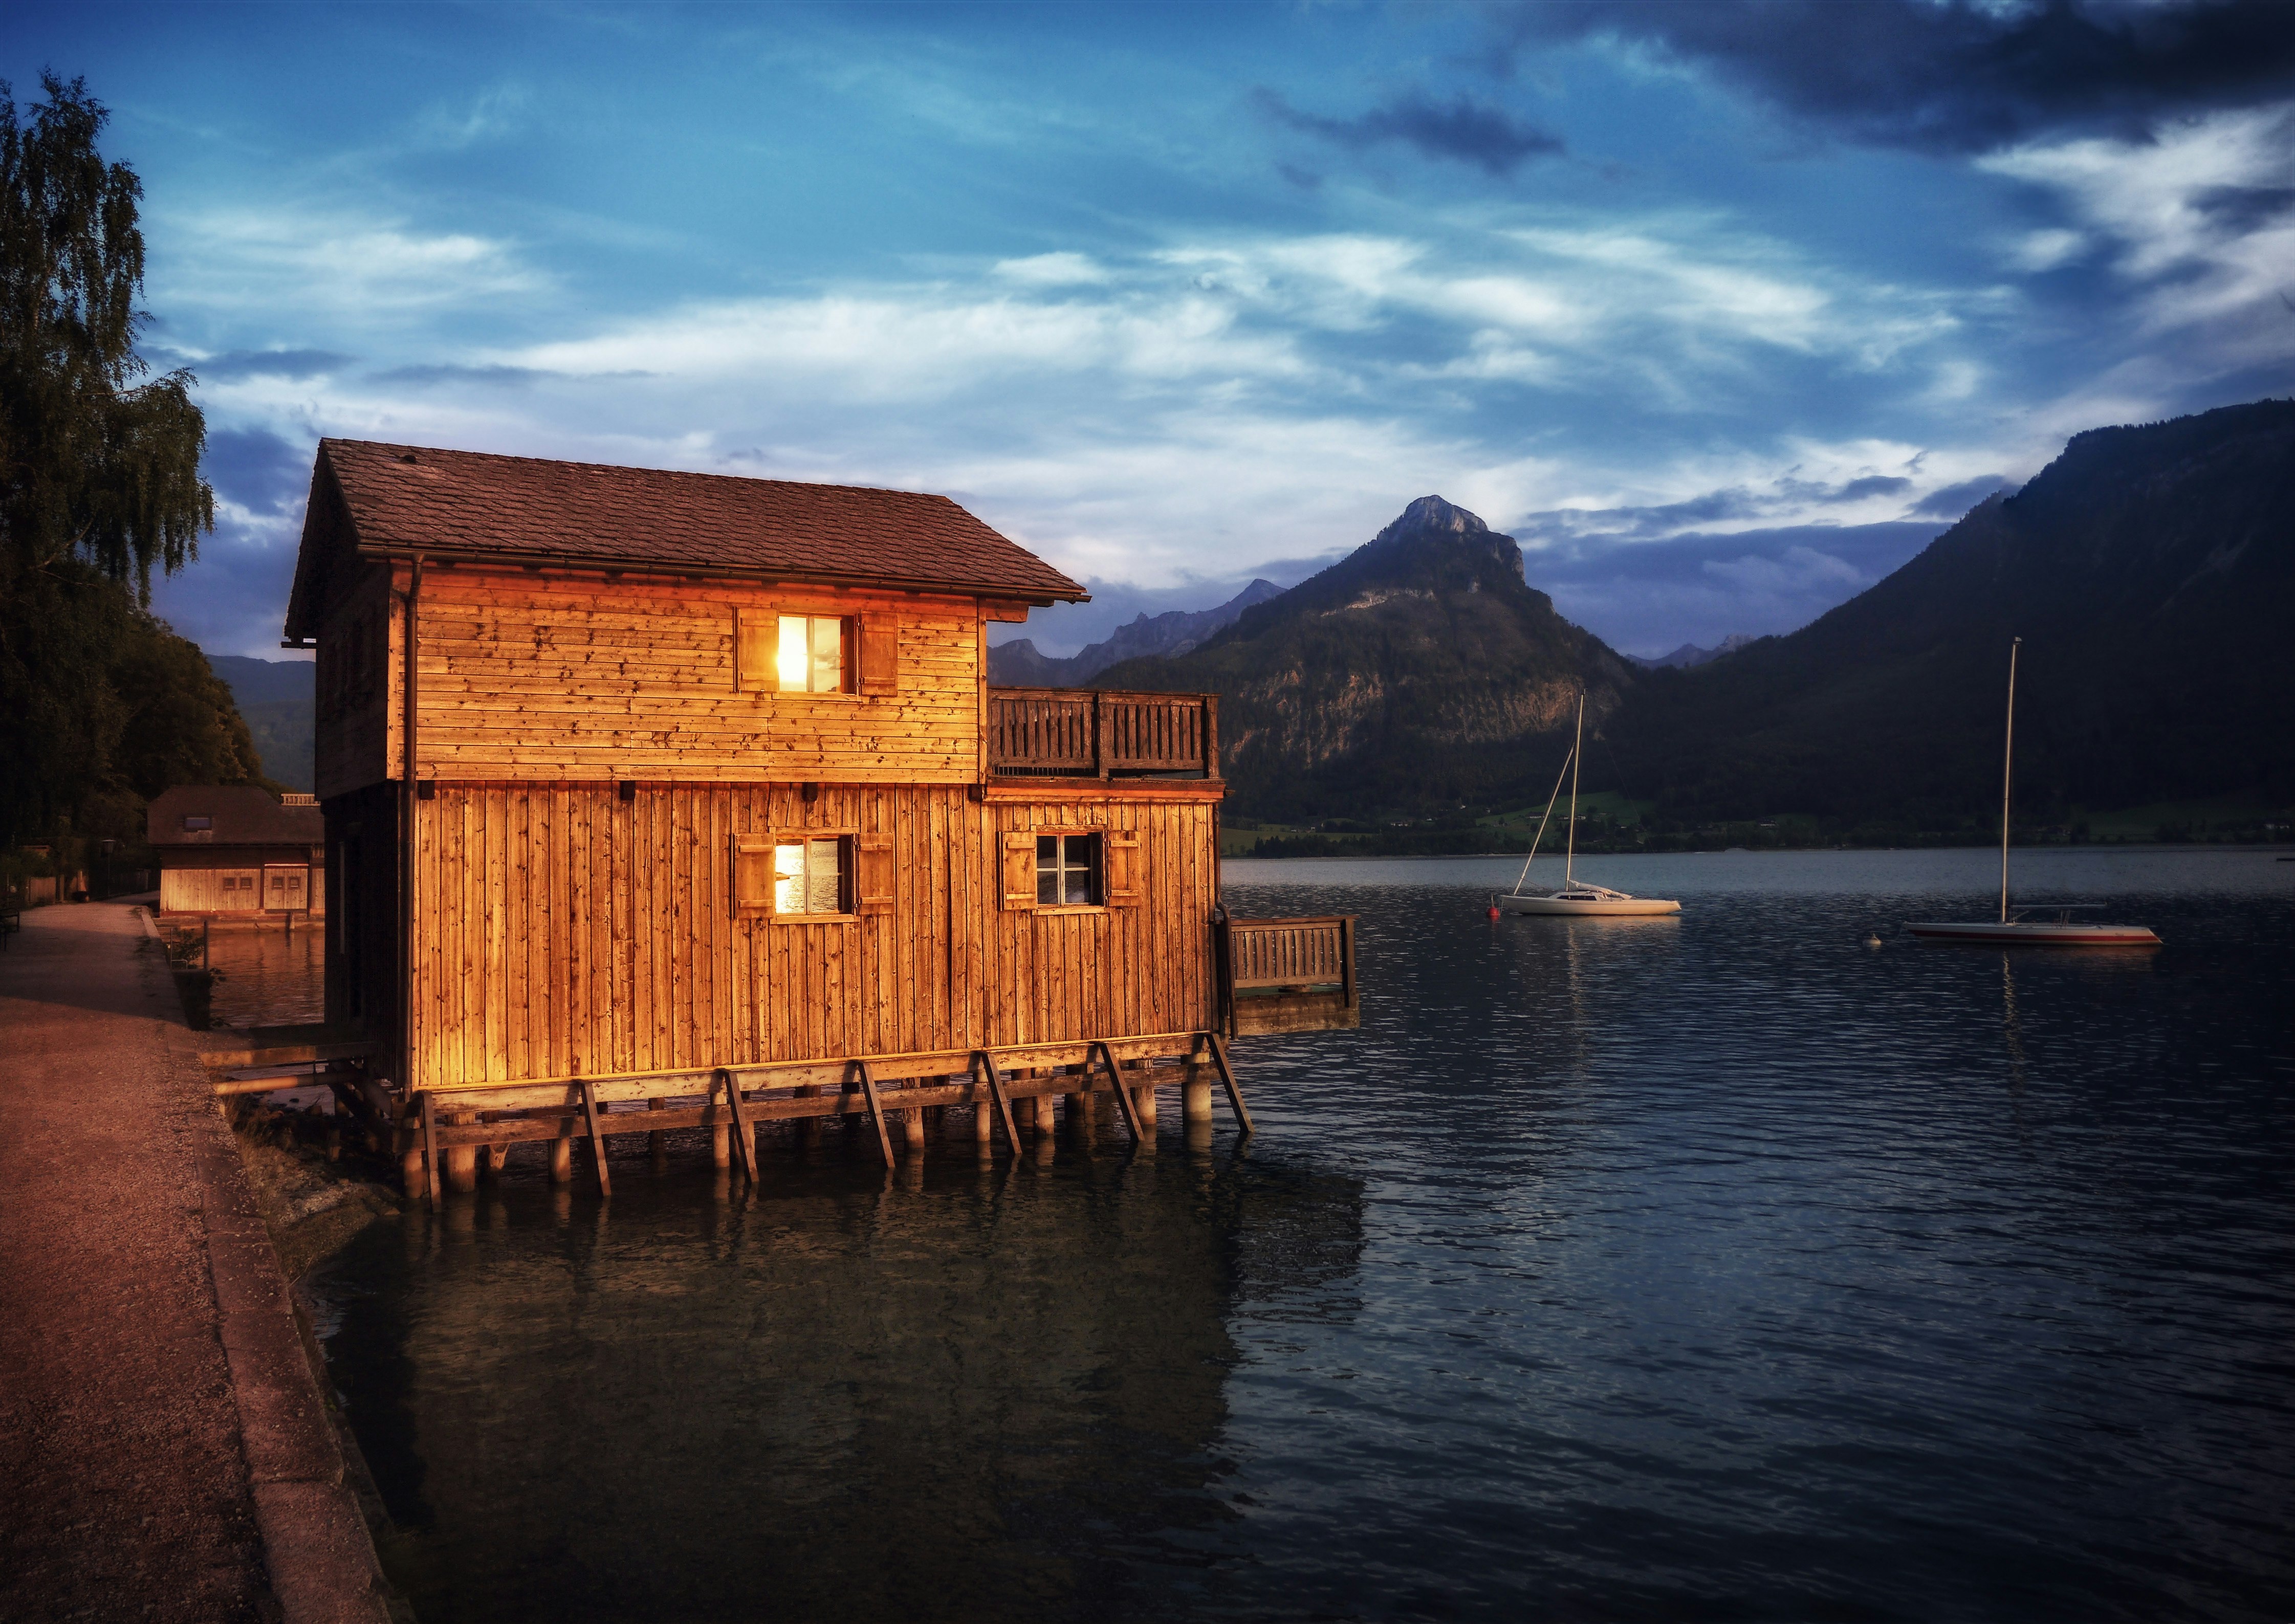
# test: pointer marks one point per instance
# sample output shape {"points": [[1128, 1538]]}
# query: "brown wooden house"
{"points": [[643, 786], [228, 851]]}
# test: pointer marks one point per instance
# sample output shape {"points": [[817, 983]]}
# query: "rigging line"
{"points": [[1534, 839]]}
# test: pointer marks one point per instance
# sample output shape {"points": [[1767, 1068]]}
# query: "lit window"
{"points": [[812, 654], [1068, 871], [809, 877]]}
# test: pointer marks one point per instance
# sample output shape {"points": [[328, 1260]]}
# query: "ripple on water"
{"points": [[1718, 1266]]}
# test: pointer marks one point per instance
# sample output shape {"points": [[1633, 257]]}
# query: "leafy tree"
{"points": [[98, 466], [99, 703]]}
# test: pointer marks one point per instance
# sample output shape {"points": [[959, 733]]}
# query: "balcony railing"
{"points": [[1090, 733]]}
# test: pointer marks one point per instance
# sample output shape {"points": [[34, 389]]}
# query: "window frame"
{"points": [[761, 852], [1095, 869], [868, 651]]}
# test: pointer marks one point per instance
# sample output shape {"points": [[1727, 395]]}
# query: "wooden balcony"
{"points": [[1091, 733], [1287, 974]]}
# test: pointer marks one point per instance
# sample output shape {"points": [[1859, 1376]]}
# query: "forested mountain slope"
{"points": [[2150, 571], [1420, 671]]}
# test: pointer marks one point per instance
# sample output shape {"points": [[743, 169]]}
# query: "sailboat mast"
{"points": [[1570, 860], [2007, 763]]}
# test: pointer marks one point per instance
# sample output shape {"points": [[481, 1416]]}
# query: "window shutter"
{"points": [[753, 876], [1120, 867], [875, 877], [756, 635], [880, 654], [1020, 870]]}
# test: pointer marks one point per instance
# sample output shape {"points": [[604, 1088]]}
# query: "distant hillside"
{"points": [[1419, 671], [277, 699], [2150, 571], [1690, 654], [1018, 664]]}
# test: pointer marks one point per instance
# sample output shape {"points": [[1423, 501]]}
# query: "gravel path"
{"points": [[160, 1435]]}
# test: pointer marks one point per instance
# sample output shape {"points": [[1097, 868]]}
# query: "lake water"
{"points": [[269, 976], [1712, 1267]]}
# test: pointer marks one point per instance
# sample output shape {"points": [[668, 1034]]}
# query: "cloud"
{"points": [[2195, 223], [232, 364], [1956, 76], [258, 265], [1052, 271], [425, 375], [1461, 128], [256, 470], [1649, 598], [1952, 501]]}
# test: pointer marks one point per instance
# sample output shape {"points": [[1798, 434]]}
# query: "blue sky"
{"points": [[1722, 310]]}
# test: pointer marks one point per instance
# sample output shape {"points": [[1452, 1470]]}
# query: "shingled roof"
{"points": [[237, 815], [400, 500]]}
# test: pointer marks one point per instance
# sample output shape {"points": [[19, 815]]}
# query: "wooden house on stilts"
{"points": [[660, 800]]}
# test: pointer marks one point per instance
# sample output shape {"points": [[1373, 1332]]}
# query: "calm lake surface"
{"points": [[1712, 1267]]}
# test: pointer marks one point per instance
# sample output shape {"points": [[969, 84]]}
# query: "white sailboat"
{"points": [[2041, 924], [1575, 898]]}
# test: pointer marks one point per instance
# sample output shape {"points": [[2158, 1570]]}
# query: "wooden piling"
{"points": [[462, 1160]]}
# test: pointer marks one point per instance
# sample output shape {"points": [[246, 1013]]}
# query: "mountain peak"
{"points": [[1432, 514]]}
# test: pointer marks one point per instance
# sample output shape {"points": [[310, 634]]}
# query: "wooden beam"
{"points": [[430, 1153], [1122, 1095], [986, 1063], [694, 1081], [1227, 1076], [597, 1138], [741, 1129], [221, 1060], [876, 1111]]}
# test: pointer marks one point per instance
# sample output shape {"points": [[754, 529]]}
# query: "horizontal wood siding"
{"points": [[562, 931], [542, 677]]}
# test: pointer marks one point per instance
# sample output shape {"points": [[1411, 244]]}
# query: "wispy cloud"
{"points": [[1456, 128], [2201, 218], [355, 269]]}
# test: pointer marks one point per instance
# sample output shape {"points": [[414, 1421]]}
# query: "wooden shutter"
{"points": [[756, 649], [873, 879], [879, 638], [753, 876], [1121, 874], [1020, 870]]}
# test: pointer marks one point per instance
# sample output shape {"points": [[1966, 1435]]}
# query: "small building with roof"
{"points": [[227, 849], [642, 784]]}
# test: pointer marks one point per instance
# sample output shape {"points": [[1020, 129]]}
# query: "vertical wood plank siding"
{"points": [[565, 932]]}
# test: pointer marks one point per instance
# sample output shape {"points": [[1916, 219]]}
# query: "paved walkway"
{"points": [[161, 1439]]}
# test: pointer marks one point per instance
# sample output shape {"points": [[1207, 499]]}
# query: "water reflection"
{"points": [[958, 1390], [270, 978]]}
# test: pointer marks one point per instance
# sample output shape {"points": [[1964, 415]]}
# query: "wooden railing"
{"points": [[1286, 975], [1300, 953], [1074, 732]]}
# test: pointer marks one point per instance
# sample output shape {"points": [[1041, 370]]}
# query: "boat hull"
{"points": [[1586, 907], [2040, 935]]}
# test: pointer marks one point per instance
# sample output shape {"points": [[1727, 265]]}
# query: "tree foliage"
{"points": [[101, 704], [99, 465]]}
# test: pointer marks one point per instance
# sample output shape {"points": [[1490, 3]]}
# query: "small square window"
{"points": [[1068, 871], [809, 877], [193, 821], [811, 656]]}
